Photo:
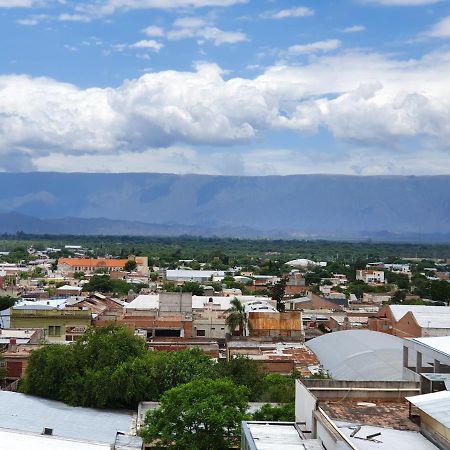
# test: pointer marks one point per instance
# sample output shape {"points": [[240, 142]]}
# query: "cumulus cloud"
{"points": [[313, 47], [300, 11], [363, 98]]}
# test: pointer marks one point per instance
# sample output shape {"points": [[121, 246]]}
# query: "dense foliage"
{"points": [[106, 284], [203, 414], [110, 367]]}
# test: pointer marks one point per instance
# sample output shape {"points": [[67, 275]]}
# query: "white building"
{"points": [[370, 276]]}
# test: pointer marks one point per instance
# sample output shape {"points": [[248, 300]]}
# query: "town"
{"points": [[294, 353]]}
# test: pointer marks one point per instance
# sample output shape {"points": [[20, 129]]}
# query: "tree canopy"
{"points": [[203, 414]]}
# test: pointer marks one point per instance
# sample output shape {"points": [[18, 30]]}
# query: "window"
{"points": [[201, 333], [54, 330]]}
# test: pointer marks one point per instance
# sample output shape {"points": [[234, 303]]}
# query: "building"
{"points": [[39, 424], [276, 324], [346, 415], [276, 357], [370, 276], [434, 412], [427, 360], [412, 320], [59, 324], [68, 266], [200, 276], [68, 290]]}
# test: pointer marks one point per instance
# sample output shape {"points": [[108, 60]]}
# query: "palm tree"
{"points": [[237, 317]]}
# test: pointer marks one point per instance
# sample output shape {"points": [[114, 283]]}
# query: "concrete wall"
{"points": [[362, 390], [170, 302]]}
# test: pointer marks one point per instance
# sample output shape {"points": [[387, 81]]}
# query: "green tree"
{"points": [[203, 414], [243, 371], [193, 287], [281, 413], [237, 317], [440, 291], [130, 265], [278, 291], [6, 302]]}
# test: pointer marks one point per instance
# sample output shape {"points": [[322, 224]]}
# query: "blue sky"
{"points": [[225, 86]]}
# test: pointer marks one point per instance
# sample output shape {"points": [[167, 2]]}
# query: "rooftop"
{"points": [[29, 414], [90, 262], [387, 440], [376, 413], [277, 435], [436, 405]]}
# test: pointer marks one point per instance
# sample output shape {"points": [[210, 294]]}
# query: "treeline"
{"points": [[111, 368], [225, 250]]}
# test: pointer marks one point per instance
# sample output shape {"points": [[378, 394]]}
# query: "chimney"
{"points": [[13, 344]]}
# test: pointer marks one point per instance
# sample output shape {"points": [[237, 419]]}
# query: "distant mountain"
{"points": [[313, 206]]}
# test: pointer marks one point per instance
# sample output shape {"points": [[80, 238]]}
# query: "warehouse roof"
{"points": [[360, 355]]}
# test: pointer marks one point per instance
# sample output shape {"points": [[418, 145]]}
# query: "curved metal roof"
{"points": [[360, 355]]}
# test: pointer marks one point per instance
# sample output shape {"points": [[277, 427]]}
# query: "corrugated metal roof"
{"points": [[360, 355], [440, 344], [433, 312], [32, 414], [436, 405]]}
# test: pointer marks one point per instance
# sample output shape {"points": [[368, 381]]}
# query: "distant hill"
{"points": [[312, 206]]}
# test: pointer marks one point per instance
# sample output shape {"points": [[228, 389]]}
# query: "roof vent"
{"points": [[48, 431]]}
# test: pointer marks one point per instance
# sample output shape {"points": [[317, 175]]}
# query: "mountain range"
{"points": [[297, 206]]}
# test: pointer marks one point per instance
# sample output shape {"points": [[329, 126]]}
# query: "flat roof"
{"points": [[436, 405], [276, 436], [388, 439]]}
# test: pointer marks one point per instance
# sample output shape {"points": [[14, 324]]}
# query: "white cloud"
{"points": [[149, 44], [402, 2], [365, 99], [439, 30], [18, 3], [74, 18], [313, 47], [33, 20], [300, 11], [354, 29], [153, 31], [104, 7], [197, 27]]}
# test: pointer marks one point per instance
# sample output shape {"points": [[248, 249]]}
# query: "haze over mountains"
{"points": [[315, 206]]}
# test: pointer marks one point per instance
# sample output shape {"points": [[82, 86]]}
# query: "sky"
{"points": [[235, 87]]}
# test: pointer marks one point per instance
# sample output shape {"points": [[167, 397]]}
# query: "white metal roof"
{"points": [[423, 313], [12, 440], [30, 414], [436, 405], [360, 355], [440, 344], [150, 301]]}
